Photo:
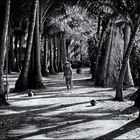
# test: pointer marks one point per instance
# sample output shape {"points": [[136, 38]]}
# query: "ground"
{"points": [[52, 113]]}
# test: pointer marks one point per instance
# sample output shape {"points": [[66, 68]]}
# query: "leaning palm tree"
{"points": [[128, 9], [132, 11], [4, 13]]}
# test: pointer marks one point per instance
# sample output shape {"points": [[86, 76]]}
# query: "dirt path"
{"points": [[52, 113]]}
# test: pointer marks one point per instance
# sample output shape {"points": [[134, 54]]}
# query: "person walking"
{"points": [[68, 76]]}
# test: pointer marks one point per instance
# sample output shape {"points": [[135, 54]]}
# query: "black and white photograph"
{"points": [[69, 69]]}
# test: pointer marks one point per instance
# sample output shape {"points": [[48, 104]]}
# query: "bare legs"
{"points": [[69, 84]]}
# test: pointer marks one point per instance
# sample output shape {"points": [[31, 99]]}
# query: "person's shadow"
{"points": [[122, 130]]}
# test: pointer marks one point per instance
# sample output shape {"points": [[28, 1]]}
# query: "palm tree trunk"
{"points": [[45, 71], [22, 82], [60, 53], [31, 68], [51, 70], [37, 76], [81, 57], [8, 64], [20, 53], [107, 61], [95, 72], [16, 55], [119, 94], [99, 25], [3, 37], [55, 54], [11, 55], [128, 80], [64, 48], [104, 71], [67, 49]]}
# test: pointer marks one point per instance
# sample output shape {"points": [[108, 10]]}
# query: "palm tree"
{"points": [[22, 82], [55, 54], [59, 64], [45, 71], [60, 53], [11, 66], [135, 21], [51, 69], [16, 55], [119, 94], [36, 77], [62, 50], [130, 11], [128, 76], [63, 43], [104, 71], [3, 37], [105, 22]]}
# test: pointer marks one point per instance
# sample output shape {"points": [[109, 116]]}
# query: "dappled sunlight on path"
{"points": [[52, 113]]}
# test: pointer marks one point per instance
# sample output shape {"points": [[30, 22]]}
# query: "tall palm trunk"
{"points": [[60, 53], [37, 76], [103, 79], [119, 94], [55, 54], [31, 67], [3, 36], [81, 57], [22, 82], [99, 25], [68, 50], [16, 55], [45, 71], [108, 55], [20, 52], [51, 70], [128, 76], [64, 48], [94, 73], [11, 55]]}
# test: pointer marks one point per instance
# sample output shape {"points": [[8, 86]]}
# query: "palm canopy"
{"points": [[72, 16], [74, 22], [107, 8]]}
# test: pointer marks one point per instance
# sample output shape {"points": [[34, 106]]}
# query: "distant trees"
{"points": [[22, 82]]}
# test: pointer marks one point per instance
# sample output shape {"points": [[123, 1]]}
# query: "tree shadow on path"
{"points": [[122, 130], [70, 119]]}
